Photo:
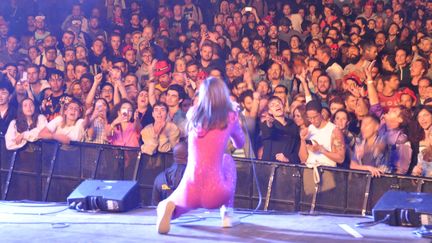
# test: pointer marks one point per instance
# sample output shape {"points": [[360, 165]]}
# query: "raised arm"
{"points": [[92, 93], [372, 92], [151, 92], [304, 84]]}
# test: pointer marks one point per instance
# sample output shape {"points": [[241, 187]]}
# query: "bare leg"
{"points": [[227, 210], [230, 175]]}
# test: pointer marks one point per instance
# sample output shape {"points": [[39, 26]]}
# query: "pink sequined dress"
{"points": [[210, 177]]}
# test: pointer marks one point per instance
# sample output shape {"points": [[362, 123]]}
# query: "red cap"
{"points": [[161, 67], [408, 92], [127, 48], [354, 77], [268, 19]]}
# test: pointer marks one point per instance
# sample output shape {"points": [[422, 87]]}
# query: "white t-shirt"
{"points": [[335, 72], [75, 132]]}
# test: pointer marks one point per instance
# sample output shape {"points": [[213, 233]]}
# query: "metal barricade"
{"points": [[48, 171]]}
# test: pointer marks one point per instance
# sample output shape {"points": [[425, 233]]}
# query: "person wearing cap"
{"points": [[168, 180], [7, 113], [162, 75], [407, 98], [129, 54]]}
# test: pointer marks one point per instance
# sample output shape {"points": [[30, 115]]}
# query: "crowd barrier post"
{"points": [[316, 173], [51, 171], [270, 185], [9, 175], [137, 166], [366, 194], [420, 183], [97, 162]]}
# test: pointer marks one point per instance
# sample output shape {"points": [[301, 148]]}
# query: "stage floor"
{"points": [[29, 222]]}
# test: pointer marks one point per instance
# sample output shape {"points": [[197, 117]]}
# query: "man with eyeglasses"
{"points": [[52, 104], [322, 143]]}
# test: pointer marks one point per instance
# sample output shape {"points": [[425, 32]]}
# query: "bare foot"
{"points": [[229, 220], [165, 211]]}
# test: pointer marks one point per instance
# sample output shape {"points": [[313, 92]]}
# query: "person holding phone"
{"points": [[322, 143], [124, 129], [96, 120], [280, 134]]}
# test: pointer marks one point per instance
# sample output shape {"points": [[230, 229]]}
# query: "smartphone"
{"points": [[308, 141], [248, 9], [24, 76], [124, 112]]}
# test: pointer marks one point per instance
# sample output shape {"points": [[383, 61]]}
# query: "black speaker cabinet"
{"points": [[105, 195], [403, 208]]}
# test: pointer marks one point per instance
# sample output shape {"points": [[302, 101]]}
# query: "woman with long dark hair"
{"points": [[210, 177], [26, 127], [124, 129], [419, 138]]}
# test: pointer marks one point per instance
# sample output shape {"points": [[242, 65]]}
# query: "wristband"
{"points": [[370, 82]]}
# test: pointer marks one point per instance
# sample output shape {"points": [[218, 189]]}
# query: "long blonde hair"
{"points": [[213, 106]]}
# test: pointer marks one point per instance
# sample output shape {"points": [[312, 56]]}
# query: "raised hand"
{"points": [[368, 70], [269, 119], [98, 78], [158, 127], [256, 95], [89, 112]]}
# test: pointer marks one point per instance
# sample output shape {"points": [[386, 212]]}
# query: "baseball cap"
{"points": [[161, 67]]}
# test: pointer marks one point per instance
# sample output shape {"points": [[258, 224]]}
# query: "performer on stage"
{"points": [[210, 177]]}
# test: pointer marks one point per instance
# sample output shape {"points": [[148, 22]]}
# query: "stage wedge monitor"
{"points": [[105, 195], [401, 208]]}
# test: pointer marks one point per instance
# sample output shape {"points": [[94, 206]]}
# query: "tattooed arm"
{"points": [[337, 152]]}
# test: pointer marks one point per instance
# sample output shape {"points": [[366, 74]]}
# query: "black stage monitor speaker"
{"points": [[404, 208], [105, 195]]}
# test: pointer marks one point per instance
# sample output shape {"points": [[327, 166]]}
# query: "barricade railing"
{"points": [[49, 171]]}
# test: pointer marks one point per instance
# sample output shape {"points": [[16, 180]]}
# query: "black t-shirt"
{"points": [[146, 118], [53, 105], [8, 117]]}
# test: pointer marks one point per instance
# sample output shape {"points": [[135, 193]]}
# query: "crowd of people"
{"points": [[322, 83]]}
